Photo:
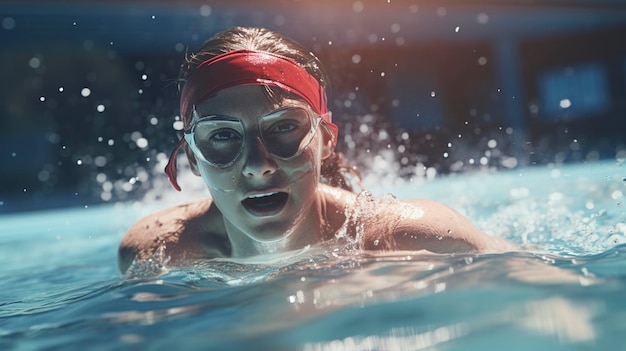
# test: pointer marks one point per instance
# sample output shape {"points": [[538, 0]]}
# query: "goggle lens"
{"points": [[219, 140]]}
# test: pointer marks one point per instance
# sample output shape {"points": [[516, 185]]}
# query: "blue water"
{"points": [[61, 289]]}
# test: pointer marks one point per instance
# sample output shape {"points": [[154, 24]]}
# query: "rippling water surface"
{"points": [[61, 289]]}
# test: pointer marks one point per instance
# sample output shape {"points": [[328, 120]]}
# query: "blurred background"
{"points": [[89, 97]]}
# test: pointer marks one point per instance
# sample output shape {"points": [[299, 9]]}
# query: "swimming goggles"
{"points": [[220, 140]]}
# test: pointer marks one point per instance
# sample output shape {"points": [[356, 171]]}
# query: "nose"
{"points": [[259, 162]]}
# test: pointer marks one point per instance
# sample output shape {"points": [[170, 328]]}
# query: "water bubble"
{"points": [[178, 125], [85, 92], [100, 108], [395, 28], [142, 143], [179, 47], [34, 62], [153, 17], [154, 121], [482, 18], [8, 23], [382, 74], [356, 58], [43, 176], [433, 93], [79, 162], [492, 143], [441, 11], [205, 10], [372, 38], [457, 29], [144, 77], [100, 161], [42, 98], [358, 6], [482, 60], [61, 89], [140, 91], [110, 142], [413, 8]]}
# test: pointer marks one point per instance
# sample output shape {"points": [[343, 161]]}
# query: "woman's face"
{"points": [[261, 195]]}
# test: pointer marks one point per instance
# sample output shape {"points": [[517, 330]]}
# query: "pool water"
{"points": [[564, 291]]}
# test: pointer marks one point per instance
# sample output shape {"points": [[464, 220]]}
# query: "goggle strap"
{"points": [[170, 168]]}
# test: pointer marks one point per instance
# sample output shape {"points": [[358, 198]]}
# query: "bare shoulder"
{"points": [[417, 224], [175, 234]]}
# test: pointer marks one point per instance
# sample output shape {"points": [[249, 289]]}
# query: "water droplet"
{"points": [[356, 58], [144, 77], [61, 89], [433, 93], [34, 62], [85, 92], [79, 162], [482, 18], [42, 98], [205, 10], [457, 29], [100, 108], [8, 23], [358, 6]]}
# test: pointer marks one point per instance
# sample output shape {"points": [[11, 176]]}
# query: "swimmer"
{"points": [[258, 131]]}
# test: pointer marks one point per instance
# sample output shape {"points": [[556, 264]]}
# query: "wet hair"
{"points": [[334, 171]]}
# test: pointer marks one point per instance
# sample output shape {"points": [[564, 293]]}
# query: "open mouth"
{"points": [[265, 204]]}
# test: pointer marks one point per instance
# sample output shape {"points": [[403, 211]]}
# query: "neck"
{"points": [[308, 231]]}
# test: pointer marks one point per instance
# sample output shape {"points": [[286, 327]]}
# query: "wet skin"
{"points": [[304, 212]]}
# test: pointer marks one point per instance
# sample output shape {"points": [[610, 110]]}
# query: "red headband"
{"points": [[247, 67]]}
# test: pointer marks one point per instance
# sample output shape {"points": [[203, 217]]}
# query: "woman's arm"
{"points": [[172, 237], [432, 226]]}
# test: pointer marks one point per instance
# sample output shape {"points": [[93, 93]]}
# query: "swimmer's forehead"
{"points": [[248, 100]]}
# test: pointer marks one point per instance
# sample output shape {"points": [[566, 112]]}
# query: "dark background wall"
{"points": [[88, 93]]}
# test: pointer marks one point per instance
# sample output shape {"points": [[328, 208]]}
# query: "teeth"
{"points": [[256, 196]]}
